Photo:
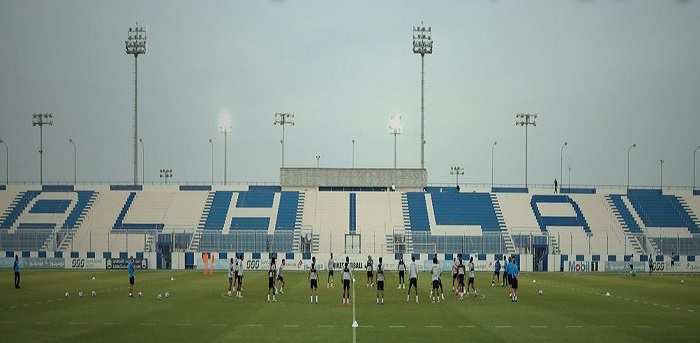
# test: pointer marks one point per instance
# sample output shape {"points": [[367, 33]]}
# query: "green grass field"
{"points": [[573, 308]]}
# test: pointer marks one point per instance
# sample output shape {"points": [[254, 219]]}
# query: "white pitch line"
{"points": [[434, 326], [691, 311], [502, 326], [113, 323], [573, 326], [366, 326], [290, 326], [77, 323], [217, 324], [538, 326], [254, 325], [147, 324], [326, 326], [467, 326], [609, 326], [41, 322], [397, 326], [6, 322], [641, 326]]}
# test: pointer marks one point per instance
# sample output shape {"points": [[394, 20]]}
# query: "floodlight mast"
{"points": [[225, 129], [166, 173], [7, 163], [136, 45], [456, 171], [561, 165], [283, 119], [492, 147], [526, 119], [628, 164], [75, 162], [41, 119], [395, 129], [422, 44]]}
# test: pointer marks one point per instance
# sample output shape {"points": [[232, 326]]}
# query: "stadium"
{"points": [[595, 261]]}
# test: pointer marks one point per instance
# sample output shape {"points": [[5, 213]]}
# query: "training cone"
{"points": [[534, 281], [607, 294], [172, 279]]}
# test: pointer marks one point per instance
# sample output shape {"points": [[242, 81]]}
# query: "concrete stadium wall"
{"points": [[353, 177]]}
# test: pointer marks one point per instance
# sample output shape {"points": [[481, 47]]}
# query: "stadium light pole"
{"points": [[283, 119], [694, 152], [166, 173], [353, 154], [211, 143], [395, 129], [422, 44], [318, 161], [561, 165], [75, 162], [143, 162], [41, 119], [456, 171], [526, 119], [7, 163], [628, 163], [225, 129], [661, 183], [492, 147], [136, 45]]}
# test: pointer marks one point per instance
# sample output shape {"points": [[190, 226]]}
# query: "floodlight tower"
{"points": [[136, 45], [422, 44], [395, 129], [694, 152], [75, 162], [662, 175], [225, 129], [456, 171], [526, 119], [41, 119], [561, 165], [211, 143], [7, 164], [166, 173], [143, 162], [492, 147], [628, 163], [283, 119]]}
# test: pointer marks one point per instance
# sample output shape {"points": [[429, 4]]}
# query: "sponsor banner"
{"points": [[123, 263], [85, 263], [624, 266], [33, 263], [581, 266]]}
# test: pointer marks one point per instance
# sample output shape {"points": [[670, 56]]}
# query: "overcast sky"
{"points": [[602, 75]]}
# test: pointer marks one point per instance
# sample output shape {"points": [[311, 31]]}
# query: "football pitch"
{"points": [[572, 308]]}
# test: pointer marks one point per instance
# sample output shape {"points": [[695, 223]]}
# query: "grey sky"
{"points": [[601, 74]]}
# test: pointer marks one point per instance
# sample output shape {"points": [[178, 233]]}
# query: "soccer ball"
{"points": [[67, 294], [540, 292], [229, 293], [160, 296], [634, 272], [167, 295], [80, 294], [140, 294], [94, 293]]}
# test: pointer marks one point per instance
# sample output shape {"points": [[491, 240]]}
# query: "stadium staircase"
{"points": [[194, 243], [507, 239], [626, 221], [408, 232]]}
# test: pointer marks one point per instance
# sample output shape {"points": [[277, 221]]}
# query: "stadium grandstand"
{"points": [[357, 218]]}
